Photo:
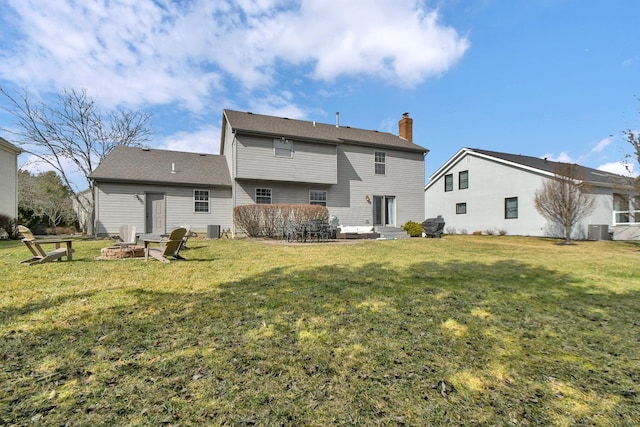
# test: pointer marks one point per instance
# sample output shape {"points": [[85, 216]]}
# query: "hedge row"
{"points": [[269, 220]]}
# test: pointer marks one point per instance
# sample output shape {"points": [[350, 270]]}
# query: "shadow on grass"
{"points": [[459, 343]]}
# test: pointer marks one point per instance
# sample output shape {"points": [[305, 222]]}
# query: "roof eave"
{"points": [[152, 182]]}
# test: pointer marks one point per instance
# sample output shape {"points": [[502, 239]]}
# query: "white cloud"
{"points": [[604, 143], [204, 140], [137, 52], [563, 157], [620, 168]]}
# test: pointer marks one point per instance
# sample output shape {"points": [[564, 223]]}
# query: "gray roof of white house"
{"points": [[258, 124], [534, 165], [151, 166], [585, 173]]}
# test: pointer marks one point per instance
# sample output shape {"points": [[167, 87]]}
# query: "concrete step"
{"points": [[392, 233]]}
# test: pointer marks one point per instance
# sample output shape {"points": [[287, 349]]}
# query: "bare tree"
{"points": [[564, 199], [634, 140], [74, 131]]}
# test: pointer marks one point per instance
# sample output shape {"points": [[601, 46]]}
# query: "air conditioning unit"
{"points": [[598, 232]]}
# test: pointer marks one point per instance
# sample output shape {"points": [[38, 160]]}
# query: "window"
{"points": [[621, 207], [461, 208], [283, 148], [463, 180], [511, 207], [263, 196], [318, 198], [201, 201], [380, 162], [448, 182]]}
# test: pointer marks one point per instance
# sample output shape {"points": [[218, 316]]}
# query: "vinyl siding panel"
{"points": [[118, 205], [311, 163], [356, 180], [403, 180], [8, 183]]}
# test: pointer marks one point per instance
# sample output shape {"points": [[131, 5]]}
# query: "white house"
{"points": [[9, 178], [364, 177], [481, 190]]}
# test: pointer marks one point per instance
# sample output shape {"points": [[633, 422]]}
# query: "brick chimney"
{"points": [[405, 127]]}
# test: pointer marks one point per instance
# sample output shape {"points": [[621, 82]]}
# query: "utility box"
{"points": [[213, 231], [598, 232]]}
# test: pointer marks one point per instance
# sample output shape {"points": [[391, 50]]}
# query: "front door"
{"points": [[384, 210], [155, 213]]}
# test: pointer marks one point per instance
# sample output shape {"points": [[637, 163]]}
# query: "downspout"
{"points": [[234, 182]]}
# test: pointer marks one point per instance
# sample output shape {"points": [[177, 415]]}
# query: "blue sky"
{"points": [[548, 78]]}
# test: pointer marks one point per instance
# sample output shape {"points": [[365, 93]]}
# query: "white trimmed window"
{"points": [[448, 182], [282, 148], [380, 159], [263, 196], [511, 208], [463, 180], [201, 201], [318, 198]]}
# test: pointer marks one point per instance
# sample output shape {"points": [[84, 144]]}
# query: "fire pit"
{"points": [[120, 252]]}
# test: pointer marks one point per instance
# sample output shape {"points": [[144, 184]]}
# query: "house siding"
{"points": [[311, 162], [490, 182], [8, 179], [117, 205], [356, 180]]}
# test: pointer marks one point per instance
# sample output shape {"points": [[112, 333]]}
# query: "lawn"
{"points": [[463, 330]]}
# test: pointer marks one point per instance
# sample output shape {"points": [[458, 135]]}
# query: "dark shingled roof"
{"points": [[258, 124], [149, 166], [594, 176]]}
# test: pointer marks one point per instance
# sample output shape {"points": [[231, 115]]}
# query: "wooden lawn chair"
{"points": [[41, 256], [170, 247], [127, 236]]}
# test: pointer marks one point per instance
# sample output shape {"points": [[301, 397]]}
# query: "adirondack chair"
{"points": [[127, 236], [170, 247], [41, 256]]}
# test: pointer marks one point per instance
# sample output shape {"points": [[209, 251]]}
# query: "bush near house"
{"points": [[8, 224], [413, 228], [268, 220]]}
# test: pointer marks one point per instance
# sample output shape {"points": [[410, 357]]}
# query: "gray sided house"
{"points": [[9, 178], [159, 190], [481, 190], [363, 177]]}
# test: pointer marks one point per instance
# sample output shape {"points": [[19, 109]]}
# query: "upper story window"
{"points": [[463, 180], [263, 196], [201, 201], [448, 182], [511, 207], [380, 162], [283, 148], [318, 198]]}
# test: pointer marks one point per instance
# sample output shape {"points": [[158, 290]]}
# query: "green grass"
{"points": [[464, 330]]}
